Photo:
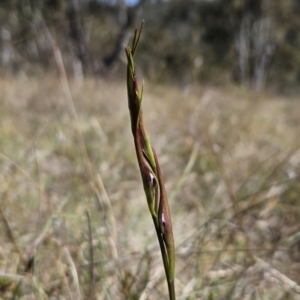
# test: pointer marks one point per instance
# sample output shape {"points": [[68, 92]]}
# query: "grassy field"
{"points": [[74, 219]]}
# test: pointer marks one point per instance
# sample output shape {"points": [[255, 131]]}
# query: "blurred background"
{"points": [[221, 107], [254, 43]]}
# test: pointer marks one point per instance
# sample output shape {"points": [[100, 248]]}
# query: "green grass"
{"points": [[235, 214]]}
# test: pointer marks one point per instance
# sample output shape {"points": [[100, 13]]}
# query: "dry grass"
{"points": [[231, 162]]}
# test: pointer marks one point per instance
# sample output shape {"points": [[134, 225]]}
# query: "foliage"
{"points": [[253, 43]]}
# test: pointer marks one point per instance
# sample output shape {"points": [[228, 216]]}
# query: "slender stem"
{"points": [[164, 255], [171, 288]]}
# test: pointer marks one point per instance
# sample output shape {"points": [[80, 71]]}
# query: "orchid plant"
{"points": [[150, 170]]}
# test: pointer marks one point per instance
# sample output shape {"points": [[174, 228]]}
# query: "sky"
{"points": [[129, 2], [132, 2]]}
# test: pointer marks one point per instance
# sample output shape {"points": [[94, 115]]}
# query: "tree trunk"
{"points": [[83, 64]]}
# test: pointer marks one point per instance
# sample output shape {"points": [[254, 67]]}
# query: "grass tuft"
{"points": [[45, 192]]}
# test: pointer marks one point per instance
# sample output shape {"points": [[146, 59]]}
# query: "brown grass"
{"points": [[231, 161]]}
